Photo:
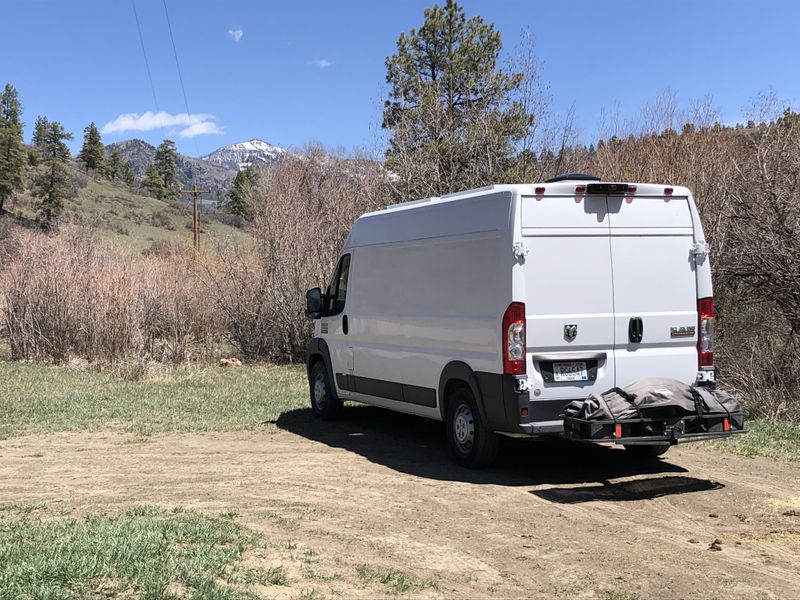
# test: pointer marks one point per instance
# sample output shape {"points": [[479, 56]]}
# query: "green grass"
{"points": [[41, 399], [145, 552], [395, 582], [773, 441]]}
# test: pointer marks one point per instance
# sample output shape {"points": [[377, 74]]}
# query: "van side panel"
{"points": [[418, 304]]}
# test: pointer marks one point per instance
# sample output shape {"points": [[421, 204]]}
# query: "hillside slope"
{"points": [[125, 218]]}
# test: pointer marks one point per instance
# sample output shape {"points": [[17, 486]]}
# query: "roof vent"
{"points": [[573, 177]]}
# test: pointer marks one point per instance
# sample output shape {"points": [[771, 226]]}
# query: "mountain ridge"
{"points": [[214, 171]]}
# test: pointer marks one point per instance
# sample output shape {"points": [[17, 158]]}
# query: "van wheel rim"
{"points": [[464, 428], [319, 391]]}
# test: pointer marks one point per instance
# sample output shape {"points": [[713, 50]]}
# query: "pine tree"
{"points": [[92, 154], [126, 174], [153, 182], [161, 177], [52, 184], [12, 153], [40, 131], [240, 197], [114, 164], [451, 110]]}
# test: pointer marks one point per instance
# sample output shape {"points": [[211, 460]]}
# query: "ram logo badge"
{"points": [[682, 332], [570, 332]]}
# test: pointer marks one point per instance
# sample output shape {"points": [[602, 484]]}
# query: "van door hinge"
{"points": [[699, 250], [520, 250]]}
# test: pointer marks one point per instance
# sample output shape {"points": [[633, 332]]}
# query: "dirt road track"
{"points": [[551, 520]]}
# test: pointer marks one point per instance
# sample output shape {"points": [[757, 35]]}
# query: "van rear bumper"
{"points": [[543, 427]]}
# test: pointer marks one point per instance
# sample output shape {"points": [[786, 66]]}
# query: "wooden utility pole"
{"points": [[195, 192]]}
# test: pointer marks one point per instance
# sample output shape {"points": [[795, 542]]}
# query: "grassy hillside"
{"points": [[126, 218]]}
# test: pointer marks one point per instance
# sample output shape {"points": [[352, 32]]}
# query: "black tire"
{"points": [[648, 451], [323, 402], [473, 445]]}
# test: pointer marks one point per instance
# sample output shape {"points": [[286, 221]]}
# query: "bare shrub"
{"points": [[67, 296], [161, 219], [304, 207], [62, 296], [176, 316]]}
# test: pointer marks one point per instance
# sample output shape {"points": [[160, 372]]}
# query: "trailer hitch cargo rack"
{"points": [[655, 430]]}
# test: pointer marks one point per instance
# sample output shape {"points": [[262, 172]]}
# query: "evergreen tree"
{"points": [[12, 153], [153, 182], [92, 154], [451, 110], [52, 184], [126, 174], [161, 177], [114, 164], [40, 131], [240, 197]]}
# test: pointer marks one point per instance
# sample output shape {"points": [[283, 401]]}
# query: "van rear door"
{"points": [[655, 288], [569, 300]]}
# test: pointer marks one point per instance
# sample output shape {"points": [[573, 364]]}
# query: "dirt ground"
{"points": [[550, 520]]}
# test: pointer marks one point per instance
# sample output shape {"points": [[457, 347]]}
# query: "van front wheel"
{"points": [[325, 405], [472, 444]]}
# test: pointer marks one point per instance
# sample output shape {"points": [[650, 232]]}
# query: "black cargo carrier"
{"points": [[650, 431]]}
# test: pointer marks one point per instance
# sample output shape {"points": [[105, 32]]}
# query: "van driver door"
{"points": [[335, 326]]}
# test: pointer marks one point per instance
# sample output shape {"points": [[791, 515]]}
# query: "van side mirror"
{"points": [[314, 303]]}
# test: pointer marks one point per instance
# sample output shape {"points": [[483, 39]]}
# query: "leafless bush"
{"points": [[161, 219], [62, 296], [66, 296], [304, 207]]}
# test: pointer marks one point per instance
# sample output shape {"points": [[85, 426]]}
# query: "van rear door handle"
{"points": [[344, 324], [635, 330]]}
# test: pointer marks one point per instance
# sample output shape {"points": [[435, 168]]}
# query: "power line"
{"points": [[144, 53], [178, 66]]}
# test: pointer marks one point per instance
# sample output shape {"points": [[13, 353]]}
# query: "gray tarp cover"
{"points": [[652, 398]]}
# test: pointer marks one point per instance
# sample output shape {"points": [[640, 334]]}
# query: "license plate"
{"points": [[570, 371]]}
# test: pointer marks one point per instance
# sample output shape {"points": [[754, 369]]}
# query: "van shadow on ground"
{"points": [[417, 447]]}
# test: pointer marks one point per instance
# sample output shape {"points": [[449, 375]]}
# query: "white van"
{"points": [[491, 309]]}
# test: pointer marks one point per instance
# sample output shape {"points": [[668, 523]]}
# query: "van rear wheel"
{"points": [[473, 445], [647, 451], [325, 405]]}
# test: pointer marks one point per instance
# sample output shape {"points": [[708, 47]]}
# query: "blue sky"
{"points": [[292, 72]]}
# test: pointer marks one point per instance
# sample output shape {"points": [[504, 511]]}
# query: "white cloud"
{"points": [[202, 128], [322, 63], [236, 33], [193, 124]]}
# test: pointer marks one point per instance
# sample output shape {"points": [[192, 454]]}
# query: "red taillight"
{"points": [[580, 189], [705, 332], [668, 191], [514, 339], [539, 191]]}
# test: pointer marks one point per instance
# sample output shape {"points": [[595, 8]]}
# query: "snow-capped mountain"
{"points": [[244, 154]]}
